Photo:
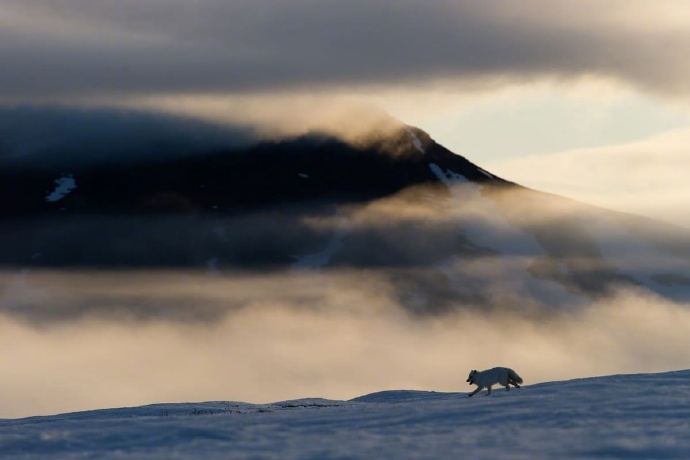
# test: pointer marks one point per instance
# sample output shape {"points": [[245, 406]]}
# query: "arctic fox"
{"points": [[485, 379]]}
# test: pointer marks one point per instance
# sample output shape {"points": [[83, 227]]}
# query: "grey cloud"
{"points": [[514, 250], [75, 47], [46, 136]]}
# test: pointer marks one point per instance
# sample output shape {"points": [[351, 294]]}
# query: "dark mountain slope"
{"points": [[444, 230]]}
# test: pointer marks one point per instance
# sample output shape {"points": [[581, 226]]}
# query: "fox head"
{"points": [[470, 378]]}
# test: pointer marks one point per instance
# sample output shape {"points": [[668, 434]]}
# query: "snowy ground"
{"points": [[624, 416]]}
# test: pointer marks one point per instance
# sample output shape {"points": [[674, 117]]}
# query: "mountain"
{"points": [[442, 229], [613, 416], [310, 169]]}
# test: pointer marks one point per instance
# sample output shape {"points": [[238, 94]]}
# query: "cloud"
{"points": [[370, 322], [649, 177], [76, 48], [77, 137], [280, 114], [336, 336]]}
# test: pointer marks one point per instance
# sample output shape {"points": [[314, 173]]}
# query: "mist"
{"points": [[265, 338], [75, 137], [274, 115]]}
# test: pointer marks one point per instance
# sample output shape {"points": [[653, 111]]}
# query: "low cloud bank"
{"points": [[268, 338]]}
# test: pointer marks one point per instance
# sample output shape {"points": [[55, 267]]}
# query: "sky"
{"points": [[585, 98]]}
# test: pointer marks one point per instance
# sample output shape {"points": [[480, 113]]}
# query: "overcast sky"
{"points": [[586, 98]]}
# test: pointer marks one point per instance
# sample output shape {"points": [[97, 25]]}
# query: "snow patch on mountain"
{"points": [[64, 185], [416, 141], [485, 227], [486, 173], [322, 258], [448, 177], [506, 271], [212, 266]]}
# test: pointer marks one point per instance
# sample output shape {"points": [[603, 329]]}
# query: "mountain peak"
{"points": [[313, 167], [447, 232]]}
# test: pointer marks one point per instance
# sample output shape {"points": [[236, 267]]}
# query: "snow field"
{"points": [[622, 416]]}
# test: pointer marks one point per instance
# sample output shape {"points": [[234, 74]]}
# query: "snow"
{"points": [[212, 266], [322, 258], [623, 416], [448, 177], [64, 185], [416, 141], [486, 173], [484, 226]]}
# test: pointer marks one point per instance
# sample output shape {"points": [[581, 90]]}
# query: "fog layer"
{"points": [[275, 337]]}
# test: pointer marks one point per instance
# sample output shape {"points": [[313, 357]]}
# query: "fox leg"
{"points": [[489, 392], [475, 391]]}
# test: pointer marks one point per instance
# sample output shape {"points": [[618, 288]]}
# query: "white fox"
{"points": [[485, 379]]}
